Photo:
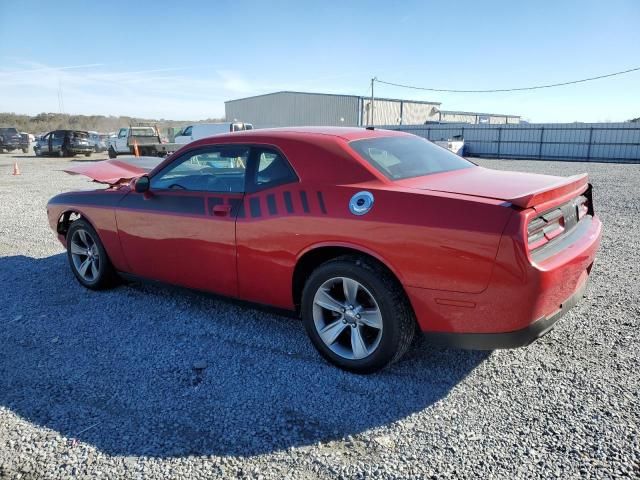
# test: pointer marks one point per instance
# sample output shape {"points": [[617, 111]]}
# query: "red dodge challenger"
{"points": [[369, 235]]}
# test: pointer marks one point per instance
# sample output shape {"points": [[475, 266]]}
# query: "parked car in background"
{"points": [[202, 130], [64, 143], [145, 137], [11, 139], [368, 235], [99, 141]]}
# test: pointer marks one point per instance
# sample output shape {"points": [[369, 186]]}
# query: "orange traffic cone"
{"points": [[16, 169], [135, 148]]}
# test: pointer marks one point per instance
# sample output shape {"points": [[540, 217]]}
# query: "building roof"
{"points": [[456, 112], [346, 133], [334, 95]]}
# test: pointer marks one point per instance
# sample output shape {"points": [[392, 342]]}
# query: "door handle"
{"points": [[221, 210]]}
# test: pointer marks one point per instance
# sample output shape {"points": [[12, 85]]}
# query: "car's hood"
{"points": [[521, 189], [115, 171]]}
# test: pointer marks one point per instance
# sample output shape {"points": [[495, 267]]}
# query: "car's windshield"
{"points": [[8, 131], [407, 156]]}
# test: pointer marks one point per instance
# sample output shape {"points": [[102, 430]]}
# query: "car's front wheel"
{"points": [[357, 314], [112, 153], [88, 258]]}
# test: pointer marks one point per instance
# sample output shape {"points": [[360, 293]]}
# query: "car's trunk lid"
{"points": [[521, 189]]}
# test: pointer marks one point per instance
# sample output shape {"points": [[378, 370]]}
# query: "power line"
{"points": [[537, 87]]}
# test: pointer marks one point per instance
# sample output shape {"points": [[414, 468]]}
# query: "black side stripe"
{"points": [[305, 202], [212, 202], [237, 207], [323, 209], [271, 204], [110, 199], [254, 207], [288, 202], [165, 203]]}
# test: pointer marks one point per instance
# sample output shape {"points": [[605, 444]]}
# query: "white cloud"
{"points": [[94, 89], [172, 93]]}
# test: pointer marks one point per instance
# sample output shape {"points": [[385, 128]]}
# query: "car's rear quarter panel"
{"points": [[428, 241]]}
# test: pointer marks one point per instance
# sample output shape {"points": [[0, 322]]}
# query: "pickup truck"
{"points": [[147, 139]]}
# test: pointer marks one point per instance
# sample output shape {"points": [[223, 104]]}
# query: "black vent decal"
{"points": [[288, 202], [323, 209], [254, 207], [237, 207], [305, 202], [271, 204]]}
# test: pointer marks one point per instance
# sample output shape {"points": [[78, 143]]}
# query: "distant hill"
{"points": [[45, 122]]}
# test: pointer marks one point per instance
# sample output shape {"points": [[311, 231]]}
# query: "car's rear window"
{"points": [[143, 132], [407, 156]]}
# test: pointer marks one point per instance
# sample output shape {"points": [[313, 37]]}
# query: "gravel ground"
{"points": [[105, 385]]}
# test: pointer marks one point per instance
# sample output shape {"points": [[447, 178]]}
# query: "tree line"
{"points": [[46, 122]]}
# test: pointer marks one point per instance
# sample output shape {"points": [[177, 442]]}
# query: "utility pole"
{"points": [[372, 100]]}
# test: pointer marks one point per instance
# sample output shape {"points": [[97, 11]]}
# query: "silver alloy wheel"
{"points": [[85, 255], [347, 318]]}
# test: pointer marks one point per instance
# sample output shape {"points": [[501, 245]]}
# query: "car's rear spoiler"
{"points": [[564, 187], [115, 172]]}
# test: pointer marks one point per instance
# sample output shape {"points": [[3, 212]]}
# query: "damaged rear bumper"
{"points": [[518, 338]]}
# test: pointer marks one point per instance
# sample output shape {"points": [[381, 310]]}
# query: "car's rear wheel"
{"points": [[357, 314], [112, 153], [88, 258]]}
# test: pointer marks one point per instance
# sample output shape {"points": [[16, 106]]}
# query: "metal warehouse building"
{"points": [[286, 109]]}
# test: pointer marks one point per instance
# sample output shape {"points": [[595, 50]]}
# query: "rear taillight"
{"points": [[545, 228]]}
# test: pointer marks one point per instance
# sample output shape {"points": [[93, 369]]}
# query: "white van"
{"points": [[202, 130]]}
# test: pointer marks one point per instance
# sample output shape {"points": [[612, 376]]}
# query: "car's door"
{"points": [[182, 230], [121, 141], [43, 144], [186, 136], [55, 141]]}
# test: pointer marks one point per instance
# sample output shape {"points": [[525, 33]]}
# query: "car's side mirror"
{"points": [[142, 184]]}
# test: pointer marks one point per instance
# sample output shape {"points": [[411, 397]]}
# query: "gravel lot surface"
{"points": [[111, 385]]}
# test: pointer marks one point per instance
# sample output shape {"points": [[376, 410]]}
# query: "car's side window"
{"points": [[271, 169], [187, 131], [122, 133], [213, 169]]}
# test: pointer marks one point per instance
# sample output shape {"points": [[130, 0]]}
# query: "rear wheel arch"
{"points": [[313, 257]]}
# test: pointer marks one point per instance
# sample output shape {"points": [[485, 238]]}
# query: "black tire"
{"points": [[25, 150], [398, 320], [87, 154], [106, 276], [112, 153]]}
